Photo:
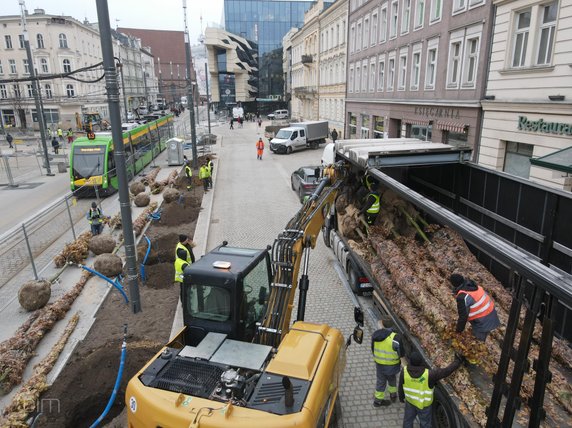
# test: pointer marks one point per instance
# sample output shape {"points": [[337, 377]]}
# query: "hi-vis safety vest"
{"points": [[260, 145], [417, 391], [374, 209], [210, 166], [483, 305], [383, 352], [179, 269], [188, 171], [94, 216], [203, 172], [182, 247]]}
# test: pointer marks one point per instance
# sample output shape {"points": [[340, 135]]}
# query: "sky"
{"points": [[148, 14]]}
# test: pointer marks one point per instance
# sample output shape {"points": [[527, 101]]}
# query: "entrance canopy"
{"points": [[559, 161]]}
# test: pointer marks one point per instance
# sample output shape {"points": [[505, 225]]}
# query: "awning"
{"points": [[421, 122], [452, 127], [559, 161]]}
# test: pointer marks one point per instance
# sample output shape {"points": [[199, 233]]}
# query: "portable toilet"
{"points": [[175, 151]]}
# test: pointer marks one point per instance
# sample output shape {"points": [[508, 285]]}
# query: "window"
{"points": [[454, 69], [30, 89], [383, 24], [402, 70], [3, 92], [358, 78], [67, 66], [359, 34], [459, 5], [40, 41], [26, 66], [1, 68], [471, 61], [364, 76], [393, 19], [44, 65], [51, 115], [436, 10], [208, 302], [70, 91], [17, 92], [547, 27], [374, 19], [381, 75], [21, 41], [366, 32], [12, 63], [352, 38], [517, 159], [391, 74], [372, 75], [405, 16], [520, 38], [431, 67], [415, 68], [473, 3], [351, 82], [48, 89], [8, 40], [419, 13], [63, 40]]}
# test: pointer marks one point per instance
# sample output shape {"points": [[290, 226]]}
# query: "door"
{"points": [[294, 143]]}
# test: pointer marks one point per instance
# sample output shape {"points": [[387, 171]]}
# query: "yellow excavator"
{"points": [[238, 362]]}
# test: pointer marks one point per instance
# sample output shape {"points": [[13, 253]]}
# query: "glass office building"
{"points": [[265, 22]]}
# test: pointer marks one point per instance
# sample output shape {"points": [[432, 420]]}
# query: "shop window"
{"points": [[421, 132], [379, 127], [517, 159], [353, 125], [457, 139]]}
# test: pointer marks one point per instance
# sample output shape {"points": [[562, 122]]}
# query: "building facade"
{"points": [[528, 102], [59, 44], [264, 23], [416, 68], [287, 66]]}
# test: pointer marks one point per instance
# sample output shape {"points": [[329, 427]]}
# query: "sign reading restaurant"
{"points": [[540, 125]]}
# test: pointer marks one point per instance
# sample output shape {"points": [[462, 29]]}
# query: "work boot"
{"points": [[379, 403], [393, 397]]}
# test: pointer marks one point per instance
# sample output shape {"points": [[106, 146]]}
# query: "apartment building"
{"points": [[416, 68], [527, 125], [287, 66]]}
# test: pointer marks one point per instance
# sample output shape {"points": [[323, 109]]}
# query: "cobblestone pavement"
{"points": [[252, 204]]}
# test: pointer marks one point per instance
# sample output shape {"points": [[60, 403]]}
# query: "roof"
{"points": [[559, 161]]}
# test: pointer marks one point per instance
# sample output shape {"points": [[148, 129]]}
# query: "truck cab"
{"points": [[288, 140], [225, 292]]}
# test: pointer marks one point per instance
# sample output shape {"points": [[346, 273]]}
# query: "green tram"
{"points": [[92, 165]]}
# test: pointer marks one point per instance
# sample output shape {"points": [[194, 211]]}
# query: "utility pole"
{"points": [[35, 88], [190, 100], [112, 87], [208, 99]]}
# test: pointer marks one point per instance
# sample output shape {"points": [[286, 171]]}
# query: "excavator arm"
{"points": [[290, 254]]}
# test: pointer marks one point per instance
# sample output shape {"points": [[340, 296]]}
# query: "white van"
{"points": [[278, 114]]}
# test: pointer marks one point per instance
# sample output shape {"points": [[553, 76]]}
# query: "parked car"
{"points": [[278, 114], [305, 180]]}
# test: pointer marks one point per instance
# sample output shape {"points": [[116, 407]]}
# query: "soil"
{"points": [[86, 382]]}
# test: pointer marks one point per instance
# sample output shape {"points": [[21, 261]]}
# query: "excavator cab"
{"points": [[226, 292]]}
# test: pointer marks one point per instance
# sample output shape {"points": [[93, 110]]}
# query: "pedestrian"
{"points": [[210, 166], [9, 139], [372, 204], [204, 175], [70, 136], [416, 383], [95, 217], [334, 135], [183, 257], [259, 148], [259, 123], [474, 305], [232, 123], [48, 132], [387, 352], [188, 173], [60, 134], [55, 145]]}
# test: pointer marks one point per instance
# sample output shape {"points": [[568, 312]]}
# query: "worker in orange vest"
{"points": [[474, 305], [259, 148]]}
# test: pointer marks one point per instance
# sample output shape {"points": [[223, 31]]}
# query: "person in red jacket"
{"points": [[474, 305], [259, 148]]}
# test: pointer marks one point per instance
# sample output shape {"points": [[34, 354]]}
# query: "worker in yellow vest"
{"points": [[204, 175], [183, 257], [387, 352], [188, 174], [372, 204], [416, 384]]}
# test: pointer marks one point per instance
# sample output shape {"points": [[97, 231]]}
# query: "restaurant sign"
{"points": [[540, 125]]}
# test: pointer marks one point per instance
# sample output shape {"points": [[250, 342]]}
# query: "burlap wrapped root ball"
{"points": [[35, 294], [142, 200], [170, 195], [137, 188], [108, 264], [101, 244]]}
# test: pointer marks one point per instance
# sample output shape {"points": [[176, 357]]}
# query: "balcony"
{"points": [[305, 91], [307, 59]]}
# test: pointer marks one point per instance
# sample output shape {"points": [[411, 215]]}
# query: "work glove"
{"points": [[460, 357]]}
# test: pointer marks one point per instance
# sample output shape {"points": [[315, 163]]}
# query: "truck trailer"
{"points": [[518, 230]]}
